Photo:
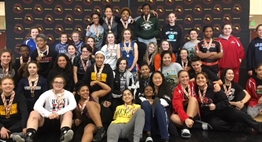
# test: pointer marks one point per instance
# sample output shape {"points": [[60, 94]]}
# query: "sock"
{"points": [[30, 132], [65, 129]]}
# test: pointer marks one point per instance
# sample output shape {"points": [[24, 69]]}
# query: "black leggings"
{"points": [[231, 119]]}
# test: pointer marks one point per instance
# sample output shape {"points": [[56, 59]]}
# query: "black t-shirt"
{"points": [[215, 47], [235, 90], [211, 76]]}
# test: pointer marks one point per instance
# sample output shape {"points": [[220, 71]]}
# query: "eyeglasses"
{"points": [[59, 83]]}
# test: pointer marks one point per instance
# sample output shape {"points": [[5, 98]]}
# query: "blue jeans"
{"points": [[157, 122]]}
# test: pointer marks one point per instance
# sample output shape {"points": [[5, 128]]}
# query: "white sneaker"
{"points": [[149, 139]]}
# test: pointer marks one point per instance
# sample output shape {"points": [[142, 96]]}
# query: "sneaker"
{"points": [[67, 136], [149, 139], [205, 126], [185, 133], [29, 137], [100, 134], [18, 137]]}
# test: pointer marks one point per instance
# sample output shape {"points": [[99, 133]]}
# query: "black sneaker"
{"points": [[29, 137], [205, 126], [100, 134], [67, 136]]}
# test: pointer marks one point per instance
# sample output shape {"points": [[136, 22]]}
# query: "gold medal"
{"points": [[32, 95], [7, 116]]}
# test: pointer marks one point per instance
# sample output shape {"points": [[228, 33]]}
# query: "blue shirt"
{"points": [[32, 44], [61, 48]]}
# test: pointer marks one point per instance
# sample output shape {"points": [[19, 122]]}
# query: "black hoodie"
{"points": [[254, 53], [173, 34]]}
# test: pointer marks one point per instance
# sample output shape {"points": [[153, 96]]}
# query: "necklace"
{"points": [[82, 107], [60, 99], [227, 91], [41, 53], [127, 48], [202, 96], [131, 110], [5, 70], [184, 66], [33, 87], [109, 24], [187, 93], [208, 46], [8, 107], [21, 60], [98, 75], [84, 64]]}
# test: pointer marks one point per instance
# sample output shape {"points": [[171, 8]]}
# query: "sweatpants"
{"points": [[131, 130], [231, 115], [157, 122], [254, 111]]}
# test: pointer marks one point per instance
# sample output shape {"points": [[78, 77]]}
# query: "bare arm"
{"points": [[118, 52], [135, 58], [204, 55], [75, 74], [219, 82], [217, 56], [102, 92]]}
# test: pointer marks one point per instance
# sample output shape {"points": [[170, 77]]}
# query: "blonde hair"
{"points": [[145, 58]]}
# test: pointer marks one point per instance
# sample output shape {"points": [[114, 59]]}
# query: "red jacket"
{"points": [[178, 99], [233, 51], [251, 88]]}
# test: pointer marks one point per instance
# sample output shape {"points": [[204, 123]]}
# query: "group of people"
{"points": [[119, 83]]}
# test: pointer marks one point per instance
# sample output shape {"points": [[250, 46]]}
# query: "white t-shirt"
{"points": [[110, 55], [47, 103], [170, 72]]}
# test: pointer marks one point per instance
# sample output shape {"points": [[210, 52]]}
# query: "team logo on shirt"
{"points": [[40, 28], [179, 10], [38, 9], [48, 1], [227, 1], [237, 8], [207, 19], [198, 9], [18, 8], [87, 2], [208, 1], [169, 2], [106, 2], [13, 109], [227, 18], [48, 19], [68, 19], [78, 10], [27, 1], [79, 28], [188, 2], [28, 19], [58, 9], [217, 9], [68, 1], [188, 19], [236, 28], [59, 29], [50, 38], [147, 25], [160, 10], [87, 19]]}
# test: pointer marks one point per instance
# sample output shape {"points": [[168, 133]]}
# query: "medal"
{"points": [[32, 94], [208, 51], [127, 55], [7, 116], [208, 46]]}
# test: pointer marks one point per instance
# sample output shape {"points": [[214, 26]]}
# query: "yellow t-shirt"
{"points": [[123, 114]]}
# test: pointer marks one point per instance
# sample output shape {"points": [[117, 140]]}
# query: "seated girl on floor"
{"points": [[88, 111], [129, 120]]}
